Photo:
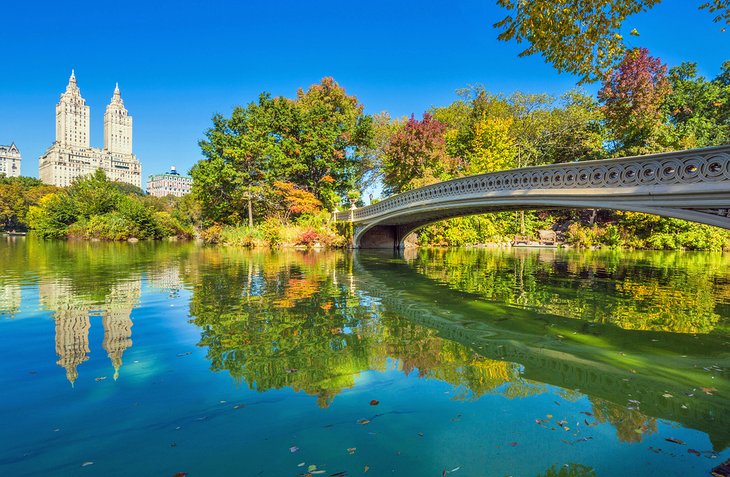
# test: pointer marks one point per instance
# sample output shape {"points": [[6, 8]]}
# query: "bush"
{"points": [[309, 237], [212, 234], [243, 236]]}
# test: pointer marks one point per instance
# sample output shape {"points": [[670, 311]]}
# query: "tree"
{"points": [[243, 154], [292, 200], [334, 135], [698, 108], [17, 195], [550, 132], [580, 36], [415, 155], [632, 96], [316, 141]]}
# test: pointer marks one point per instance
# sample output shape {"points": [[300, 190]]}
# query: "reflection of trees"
{"points": [[676, 292], [630, 424], [569, 470], [286, 320]]}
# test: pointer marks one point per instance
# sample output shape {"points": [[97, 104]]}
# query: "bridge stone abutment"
{"points": [[379, 236]]}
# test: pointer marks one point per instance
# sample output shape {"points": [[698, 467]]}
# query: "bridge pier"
{"points": [[380, 237]]}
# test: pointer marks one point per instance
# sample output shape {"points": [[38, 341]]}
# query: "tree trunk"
{"points": [[522, 222], [250, 212]]}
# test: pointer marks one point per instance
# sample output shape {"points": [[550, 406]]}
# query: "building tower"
{"points": [[117, 126], [72, 117]]}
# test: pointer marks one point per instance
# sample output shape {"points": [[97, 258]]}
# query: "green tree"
{"points": [[334, 136], [579, 36], [317, 141], [698, 108]]}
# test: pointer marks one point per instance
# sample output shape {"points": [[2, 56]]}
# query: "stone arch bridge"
{"points": [[692, 185]]}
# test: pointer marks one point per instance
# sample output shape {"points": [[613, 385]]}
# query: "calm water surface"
{"points": [[152, 359]]}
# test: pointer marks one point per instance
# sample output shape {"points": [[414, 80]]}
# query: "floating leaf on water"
{"points": [[549, 416], [363, 421], [722, 470], [374, 402], [675, 441], [311, 468]]}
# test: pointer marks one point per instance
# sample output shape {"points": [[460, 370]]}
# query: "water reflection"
{"points": [[627, 330]]}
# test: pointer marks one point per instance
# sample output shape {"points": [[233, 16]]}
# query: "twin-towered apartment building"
{"points": [[71, 155]]}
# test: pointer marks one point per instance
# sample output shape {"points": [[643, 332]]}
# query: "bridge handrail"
{"points": [[711, 164]]}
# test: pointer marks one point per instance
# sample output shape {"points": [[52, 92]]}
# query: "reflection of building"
{"points": [[169, 183], [71, 155], [167, 279], [72, 340], [10, 160], [9, 299], [117, 333], [73, 322]]}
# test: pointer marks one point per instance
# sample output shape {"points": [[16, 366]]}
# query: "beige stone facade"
{"points": [[10, 160], [72, 156], [170, 183]]}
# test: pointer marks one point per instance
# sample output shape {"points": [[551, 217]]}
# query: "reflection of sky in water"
{"points": [[300, 347]]}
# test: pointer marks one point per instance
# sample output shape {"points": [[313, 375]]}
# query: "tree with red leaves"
{"points": [[415, 155], [632, 96]]}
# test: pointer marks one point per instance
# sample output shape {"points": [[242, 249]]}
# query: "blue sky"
{"points": [[177, 63]]}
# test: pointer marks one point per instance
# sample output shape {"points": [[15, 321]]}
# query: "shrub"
{"points": [[309, 238], [212, 234]]}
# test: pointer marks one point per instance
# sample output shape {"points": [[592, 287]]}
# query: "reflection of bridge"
{"points": [[692, 185], [601, 361]]}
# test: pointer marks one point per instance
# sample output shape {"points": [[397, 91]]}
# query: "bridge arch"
{"points": [[691, 185]]}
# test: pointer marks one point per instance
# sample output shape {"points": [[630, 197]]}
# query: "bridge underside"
{"points": [[390, 230]]}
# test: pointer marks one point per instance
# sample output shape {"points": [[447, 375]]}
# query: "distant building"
{"points": [[10, 160], [169, 183], [71, 156]]}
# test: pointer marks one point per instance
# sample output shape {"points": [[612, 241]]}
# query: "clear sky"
{"points": [[178, 63]]}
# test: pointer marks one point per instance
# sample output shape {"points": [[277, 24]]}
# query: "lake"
{"points": [[165, 358]]}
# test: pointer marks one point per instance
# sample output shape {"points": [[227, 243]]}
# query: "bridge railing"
{"points": [[682, 167]]}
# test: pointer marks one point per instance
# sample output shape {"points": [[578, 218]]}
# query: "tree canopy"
{"points": [[582, 37]]}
